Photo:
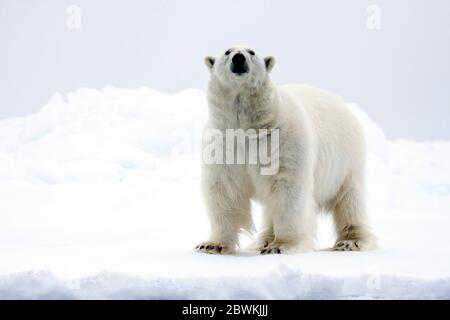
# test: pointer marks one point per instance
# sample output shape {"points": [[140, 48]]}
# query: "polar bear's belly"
{"points": [[329, 174]]}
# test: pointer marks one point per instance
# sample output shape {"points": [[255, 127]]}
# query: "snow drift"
{"points": [[100, 198]]}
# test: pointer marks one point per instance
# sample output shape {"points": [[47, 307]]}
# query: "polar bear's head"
{"points": [[240, 67]]}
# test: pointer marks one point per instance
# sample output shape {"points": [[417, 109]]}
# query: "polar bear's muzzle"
{"points": [[239, 64]]}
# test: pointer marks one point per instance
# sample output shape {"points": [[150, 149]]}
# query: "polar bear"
{"points": [[321, 161]]}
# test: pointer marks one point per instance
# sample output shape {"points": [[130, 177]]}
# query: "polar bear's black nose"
{"points": [[239, 64], [238, 59]]}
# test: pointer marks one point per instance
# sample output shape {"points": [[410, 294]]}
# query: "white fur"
{"points": [[321, 164]]}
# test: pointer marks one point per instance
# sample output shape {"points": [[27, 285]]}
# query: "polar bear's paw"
{"points": [[263, 245], [262, 240], [347, 245], [213, 248], [272, 248], [260, 244]]}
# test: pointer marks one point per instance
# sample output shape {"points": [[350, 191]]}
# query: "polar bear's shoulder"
{"points": [[310, 94], [328, 111]]}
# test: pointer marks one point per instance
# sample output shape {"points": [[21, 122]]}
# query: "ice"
{"points": [[101, 199]]}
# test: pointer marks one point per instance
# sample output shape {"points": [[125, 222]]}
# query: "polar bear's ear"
{"points": [[270, 62], [209, 61]]}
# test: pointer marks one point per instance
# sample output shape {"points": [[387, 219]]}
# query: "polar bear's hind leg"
{"points": [[353, 233]]}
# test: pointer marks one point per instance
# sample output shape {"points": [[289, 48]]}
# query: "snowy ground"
{"points": [[100, 199]]}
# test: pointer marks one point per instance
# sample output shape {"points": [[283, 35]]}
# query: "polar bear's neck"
{"points": [[243, 108]]}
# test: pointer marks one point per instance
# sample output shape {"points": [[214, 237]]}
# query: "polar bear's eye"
{"points": [[252, 53], [227, 52]]}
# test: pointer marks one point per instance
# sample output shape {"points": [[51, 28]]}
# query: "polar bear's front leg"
{"points": [[291, 208], [228, 205], [265, 236]]}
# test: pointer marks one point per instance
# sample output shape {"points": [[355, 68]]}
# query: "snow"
{"points": [[101, 200]]}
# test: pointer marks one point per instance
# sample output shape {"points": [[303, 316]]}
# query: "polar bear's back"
{"points": [[339, 138]]}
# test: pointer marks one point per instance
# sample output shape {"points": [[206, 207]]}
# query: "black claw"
{"points": [[278, 251], [208, 247], [263, 251], [197, 247], [201, 247], [266, 244], [219, 249], [356, 244], [347, 245], [340, 244]]}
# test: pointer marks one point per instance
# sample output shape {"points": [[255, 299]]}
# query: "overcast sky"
{"points": [[389, 56]]}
